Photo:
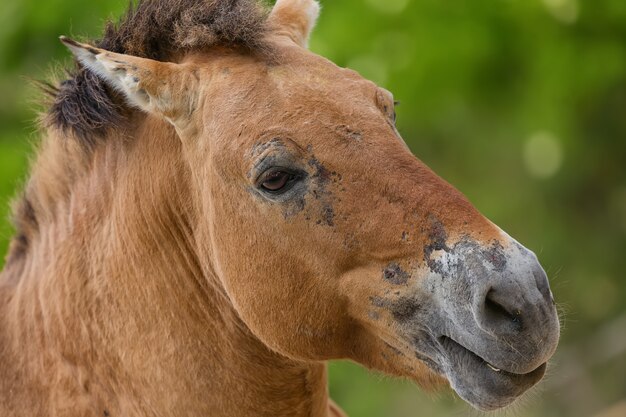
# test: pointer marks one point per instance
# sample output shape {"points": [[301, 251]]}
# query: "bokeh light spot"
{"points": [[565, 11], [543, 155]]}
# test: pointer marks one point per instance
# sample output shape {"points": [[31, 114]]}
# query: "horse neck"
{"points": [[111, 308]]}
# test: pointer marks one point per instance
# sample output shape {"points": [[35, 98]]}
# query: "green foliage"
{"points": [[521, 104]]}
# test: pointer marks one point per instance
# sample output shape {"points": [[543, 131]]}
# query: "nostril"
{"points": [[498, 315], [494, 307]]}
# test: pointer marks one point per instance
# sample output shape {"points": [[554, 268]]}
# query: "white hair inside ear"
{"points": [[163, 88], [295, 18]]}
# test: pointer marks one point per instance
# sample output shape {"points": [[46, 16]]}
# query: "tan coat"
{"points": [[157, 273]]}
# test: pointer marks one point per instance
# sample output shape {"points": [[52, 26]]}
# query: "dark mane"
{"points": [[155, 29]]}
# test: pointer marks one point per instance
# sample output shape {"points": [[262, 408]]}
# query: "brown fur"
{"points": [[149, 277]]}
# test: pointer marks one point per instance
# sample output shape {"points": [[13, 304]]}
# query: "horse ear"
{"points": [[295, 18], [162, 88]]}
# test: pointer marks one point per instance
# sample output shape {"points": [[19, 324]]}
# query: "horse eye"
{"points": [[277, 181]]}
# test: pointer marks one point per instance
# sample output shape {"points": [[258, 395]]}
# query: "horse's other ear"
{"points": [[161, 88], [295, 18]]}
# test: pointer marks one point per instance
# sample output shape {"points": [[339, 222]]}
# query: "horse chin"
{"points": [[480, 383]]}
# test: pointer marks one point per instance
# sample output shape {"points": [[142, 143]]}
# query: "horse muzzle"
{"points": [[483, 317]]}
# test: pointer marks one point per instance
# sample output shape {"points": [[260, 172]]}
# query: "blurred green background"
{"points": [[521, 104]]}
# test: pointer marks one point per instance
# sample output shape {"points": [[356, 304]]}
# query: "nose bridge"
{"points": [[445, 208]]}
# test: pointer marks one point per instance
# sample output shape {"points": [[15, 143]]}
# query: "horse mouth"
{"points": [[482, 384]]}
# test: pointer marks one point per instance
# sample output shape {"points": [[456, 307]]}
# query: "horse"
{"points": [[215, 212]]}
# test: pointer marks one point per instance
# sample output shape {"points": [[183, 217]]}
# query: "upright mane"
{"points": [[157, 29]]}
